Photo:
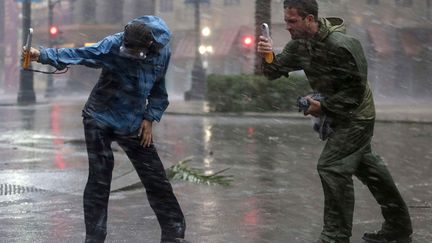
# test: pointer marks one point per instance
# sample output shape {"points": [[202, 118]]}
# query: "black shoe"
{"points": [[176, 240], [381, 237], [89, 239], [174, 234]]}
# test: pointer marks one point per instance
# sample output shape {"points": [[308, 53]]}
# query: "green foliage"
{"points": [[241, 93], [182, 171]]}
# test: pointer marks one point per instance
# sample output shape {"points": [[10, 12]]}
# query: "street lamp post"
{"points": [[49, 91], [198, 86], [26, 94], [429, 4]]}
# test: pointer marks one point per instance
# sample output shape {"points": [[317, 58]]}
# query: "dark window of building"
{"points": [[372, 2], [231, 2], [166, 6], [404, 3]]}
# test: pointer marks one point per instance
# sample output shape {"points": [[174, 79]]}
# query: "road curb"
{"points": [[397, 116]]}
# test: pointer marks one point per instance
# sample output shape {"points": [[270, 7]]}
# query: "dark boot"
{"points": [[177, 240], [94, 239], [338, 240], [381, 237]]}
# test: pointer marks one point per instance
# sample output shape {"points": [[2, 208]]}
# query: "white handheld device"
{"points": [[265, 31]]}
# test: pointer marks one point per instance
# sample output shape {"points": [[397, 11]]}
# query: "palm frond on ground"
{"points": [[182, 171]]}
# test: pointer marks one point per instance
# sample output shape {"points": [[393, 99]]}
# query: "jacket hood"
{"points": [[329, 25], [160, 30]]}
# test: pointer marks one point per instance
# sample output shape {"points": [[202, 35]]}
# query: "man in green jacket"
{"points": [[335, 66]]}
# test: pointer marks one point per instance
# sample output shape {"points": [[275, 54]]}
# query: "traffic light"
{"points": [[247, 44], [55, 35], [53, 31], [248, 41]]}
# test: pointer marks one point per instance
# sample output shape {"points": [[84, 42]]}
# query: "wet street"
{"points": [[276, 194]]}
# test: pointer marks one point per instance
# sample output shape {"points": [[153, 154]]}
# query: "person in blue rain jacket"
{"points": [[128, 97]]}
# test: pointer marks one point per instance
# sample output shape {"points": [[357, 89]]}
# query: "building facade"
{"points": [[396, 35]]}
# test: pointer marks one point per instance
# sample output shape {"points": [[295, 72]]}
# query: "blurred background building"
{"points": [[396, 36]]}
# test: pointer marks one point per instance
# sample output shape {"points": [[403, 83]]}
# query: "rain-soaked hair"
{"points": [[137, 35], [304, 7]]}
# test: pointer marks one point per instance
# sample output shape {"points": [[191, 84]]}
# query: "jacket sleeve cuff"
{"points": [[43, 56], [325, 109], [148, 117]]}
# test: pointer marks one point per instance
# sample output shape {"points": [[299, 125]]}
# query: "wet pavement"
{"points": [[276, 194]]}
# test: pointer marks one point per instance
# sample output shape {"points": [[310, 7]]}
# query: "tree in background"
{"points": [[262, 15]]}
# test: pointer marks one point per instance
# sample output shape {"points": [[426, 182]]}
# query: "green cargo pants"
{"points": [[347, 153]]}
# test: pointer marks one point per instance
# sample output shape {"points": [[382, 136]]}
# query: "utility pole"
{"points": [[49, 92], [428, 9], [2, 41], [198, 86], [262, 15], [26, 94]]}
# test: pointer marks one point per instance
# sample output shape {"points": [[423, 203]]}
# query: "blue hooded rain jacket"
{"points": [[128, 90]]}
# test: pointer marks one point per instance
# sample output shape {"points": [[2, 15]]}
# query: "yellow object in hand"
{"points": [[268, 57], [26, 61]]}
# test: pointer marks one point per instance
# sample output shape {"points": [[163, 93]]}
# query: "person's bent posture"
{"points": [[335, 66], [129, 96]]}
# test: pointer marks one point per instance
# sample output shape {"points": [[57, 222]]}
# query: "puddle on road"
{"points": [[27, 151]]}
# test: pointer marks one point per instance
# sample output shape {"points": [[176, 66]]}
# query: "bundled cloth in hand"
{"points": [[322, 124]]}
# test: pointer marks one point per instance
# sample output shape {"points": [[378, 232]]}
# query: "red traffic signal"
{"points": [[53, 31], [248, 41]]}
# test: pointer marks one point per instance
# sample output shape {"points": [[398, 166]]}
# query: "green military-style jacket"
{"points": [[335, 66]]}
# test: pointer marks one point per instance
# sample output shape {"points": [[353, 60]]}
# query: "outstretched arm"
{"points": [[60, 58], [283, 63]]}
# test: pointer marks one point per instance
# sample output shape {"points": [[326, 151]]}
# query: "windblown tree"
{"points": [[262, 15]]}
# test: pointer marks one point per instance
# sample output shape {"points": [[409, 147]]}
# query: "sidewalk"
{"points": [[420, 112], [411, 111]]}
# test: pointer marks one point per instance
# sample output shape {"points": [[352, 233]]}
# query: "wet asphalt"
{"points": [[276, 194]]}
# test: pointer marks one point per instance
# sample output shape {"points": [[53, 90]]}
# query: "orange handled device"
{"points": [[266, 33], [26, 61]]}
